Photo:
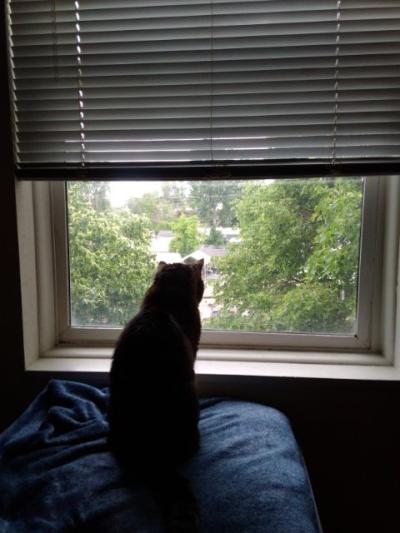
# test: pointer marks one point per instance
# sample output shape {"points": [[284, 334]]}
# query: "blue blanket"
{"points": [[57, 473]]}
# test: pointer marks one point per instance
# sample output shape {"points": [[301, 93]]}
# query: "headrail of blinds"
{"points": [[163, 85]]}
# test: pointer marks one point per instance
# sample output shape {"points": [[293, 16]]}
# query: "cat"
{"points": [[154, 408]]}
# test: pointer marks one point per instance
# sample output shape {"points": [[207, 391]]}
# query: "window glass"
{"points": [[280, 255]]}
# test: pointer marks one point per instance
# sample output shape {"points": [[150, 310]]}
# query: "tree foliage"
{"points": [[187, 236], [215, 237], [161, 211], [175, 194], [94, 193], [110, 260], [296, 266], [214, 201]]}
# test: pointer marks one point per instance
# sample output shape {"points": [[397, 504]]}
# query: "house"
{"points": [[207, 253], [161, 241], [169, 257]]}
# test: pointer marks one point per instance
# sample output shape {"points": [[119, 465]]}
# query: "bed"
{"points": [[57, 473]]}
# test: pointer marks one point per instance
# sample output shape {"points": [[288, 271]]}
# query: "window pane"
{"points": [[280, 255]]}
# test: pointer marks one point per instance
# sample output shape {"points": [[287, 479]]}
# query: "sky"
{"points": [[121, 191]]}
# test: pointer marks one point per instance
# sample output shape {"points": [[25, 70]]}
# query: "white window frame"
{"points": [[44, 276]]}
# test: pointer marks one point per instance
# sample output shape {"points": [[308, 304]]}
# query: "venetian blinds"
{"points": [[192, 82]]}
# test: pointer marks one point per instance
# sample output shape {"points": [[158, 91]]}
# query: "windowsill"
{"points": [[351, 366]]}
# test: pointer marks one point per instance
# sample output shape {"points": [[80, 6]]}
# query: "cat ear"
{"points": [[160, 266], [199, 265]]}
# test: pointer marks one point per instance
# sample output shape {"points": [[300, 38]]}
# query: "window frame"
{"points": [[44, 353], [49, 221]]}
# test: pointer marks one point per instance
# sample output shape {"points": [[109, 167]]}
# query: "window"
{"points": [[233, 95], [280, 255], [287, 262]]}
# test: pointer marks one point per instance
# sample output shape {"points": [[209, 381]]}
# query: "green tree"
{"points": [[110, 260], [296, 266], [214, 201], [161, 208], [174, 194], [215, 237], [145, 205], [95, 193], [158, 210], [187, 236]]}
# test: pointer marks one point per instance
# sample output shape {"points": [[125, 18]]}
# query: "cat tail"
{"points": [[178, 504]]}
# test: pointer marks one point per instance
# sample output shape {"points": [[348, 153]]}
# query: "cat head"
{"points": [[182, 277]]}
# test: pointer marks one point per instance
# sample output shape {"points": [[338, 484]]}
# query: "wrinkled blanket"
{"points": [[57, 473]]}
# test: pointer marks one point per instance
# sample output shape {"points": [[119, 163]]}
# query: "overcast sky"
{"points": [[121, 191]]}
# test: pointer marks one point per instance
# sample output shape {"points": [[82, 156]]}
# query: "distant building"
{"points": [[208, 307], [160, 247], [160, 242], [230, 234], [169, 257], [207, 253]]}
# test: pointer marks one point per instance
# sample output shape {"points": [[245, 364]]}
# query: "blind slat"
{"points": [[122, 136], [199, 80]]}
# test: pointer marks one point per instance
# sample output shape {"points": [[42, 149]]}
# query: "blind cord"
{"points": [[55, 40], [336, 85], [81, 104], [212, 80]]}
